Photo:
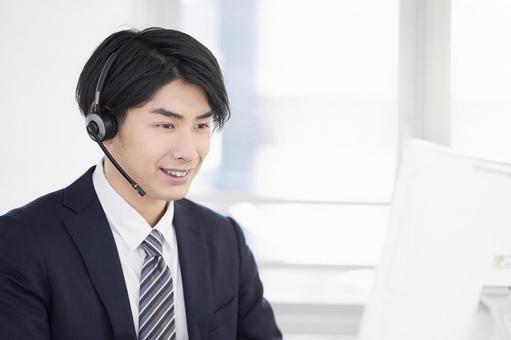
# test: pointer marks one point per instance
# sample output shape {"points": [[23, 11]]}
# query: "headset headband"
{"points": [[99, 86]]}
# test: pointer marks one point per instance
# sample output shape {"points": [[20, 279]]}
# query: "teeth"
{"points": [[176, 173]]}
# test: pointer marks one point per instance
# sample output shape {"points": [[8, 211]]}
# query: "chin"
{"points": [[174, 196]]}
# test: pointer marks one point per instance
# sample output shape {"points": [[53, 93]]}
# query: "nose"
{"points": [[183, 147]]}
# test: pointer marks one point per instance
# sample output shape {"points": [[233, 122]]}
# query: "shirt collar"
{"points": [[132, 227]]}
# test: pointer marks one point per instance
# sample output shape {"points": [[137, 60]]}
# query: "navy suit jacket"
{"points": [[61, 277]]}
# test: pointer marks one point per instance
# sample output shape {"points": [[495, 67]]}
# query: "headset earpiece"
{"points": [[101, 127]]}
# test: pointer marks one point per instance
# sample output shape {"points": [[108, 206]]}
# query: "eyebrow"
{"points": [[171, 114]]}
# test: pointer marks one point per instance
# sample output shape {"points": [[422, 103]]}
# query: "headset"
{"points": [[102, 124]]}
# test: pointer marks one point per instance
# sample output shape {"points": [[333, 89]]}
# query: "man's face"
{"points": [[163, 143]]}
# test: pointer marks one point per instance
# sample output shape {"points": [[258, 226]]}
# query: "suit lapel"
{"points": [[93, 237], [194, 265]]}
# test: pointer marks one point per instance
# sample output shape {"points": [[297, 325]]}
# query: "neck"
{"points": [[149, 208]]}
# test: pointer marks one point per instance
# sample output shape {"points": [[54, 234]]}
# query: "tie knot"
{"points": [[153, 243]]}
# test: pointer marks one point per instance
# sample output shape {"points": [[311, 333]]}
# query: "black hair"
{"points": [[146, 61]]}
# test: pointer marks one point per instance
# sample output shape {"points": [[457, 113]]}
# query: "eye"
{"points": [[203, 126], [165, 125]]}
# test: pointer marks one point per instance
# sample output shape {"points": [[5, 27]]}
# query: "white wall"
{"points": [[44, 45]]}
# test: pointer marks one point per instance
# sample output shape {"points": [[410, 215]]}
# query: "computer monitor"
{"points": [[449, 235]]}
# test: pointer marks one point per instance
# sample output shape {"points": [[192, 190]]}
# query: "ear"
{"points": [[110, 143]]}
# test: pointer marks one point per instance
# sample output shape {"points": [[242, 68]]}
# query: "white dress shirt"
{"points": [[130, 229]]}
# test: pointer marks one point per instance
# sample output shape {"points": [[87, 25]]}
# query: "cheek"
{"points": [[145, 144], [129, 139], [203, 146]]}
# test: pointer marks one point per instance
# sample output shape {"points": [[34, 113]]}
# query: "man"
{"points": [[120, 253]]}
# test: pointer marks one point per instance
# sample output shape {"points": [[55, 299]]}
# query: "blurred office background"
{"points": [[323, 94]]}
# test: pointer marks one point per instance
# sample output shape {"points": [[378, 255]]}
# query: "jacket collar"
{"points": [[93, 237], [195, 269]]}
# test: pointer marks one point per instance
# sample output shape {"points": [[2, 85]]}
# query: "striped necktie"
{"points": [[156, 302]]}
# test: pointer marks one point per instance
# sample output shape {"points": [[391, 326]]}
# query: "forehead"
{"points": [[180, 97]]}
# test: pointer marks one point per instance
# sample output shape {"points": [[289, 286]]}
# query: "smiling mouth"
{"points": [[176, 173]]}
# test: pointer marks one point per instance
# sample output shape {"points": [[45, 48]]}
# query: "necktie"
{"points": [[156, 302]]}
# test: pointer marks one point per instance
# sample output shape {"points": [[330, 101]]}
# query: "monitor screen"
{"points": [[449, 234]]}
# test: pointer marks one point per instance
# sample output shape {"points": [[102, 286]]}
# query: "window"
{"points": [[481, 78], [313, 88]]}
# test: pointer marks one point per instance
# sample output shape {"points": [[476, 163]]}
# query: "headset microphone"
{"points": [[102, 125]]}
